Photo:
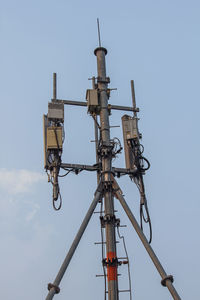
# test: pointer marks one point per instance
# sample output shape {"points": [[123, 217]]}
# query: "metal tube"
{"points": [[147, 246], [125, 108], [96, 134], [54, 86], [82, 103], [71, 102], [75, 243], [133, 97], [106, 155]]}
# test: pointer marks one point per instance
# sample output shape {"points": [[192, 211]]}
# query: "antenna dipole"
{"points": [[133, 98], [99, 36], [54, 86]]}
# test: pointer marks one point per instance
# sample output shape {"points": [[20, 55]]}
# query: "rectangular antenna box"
{"points": [[54, 138], [45, 126], [92, 101], [130, 127], [56, 111]]}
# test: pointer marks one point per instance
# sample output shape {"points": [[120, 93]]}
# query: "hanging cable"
{"points": [[137, 150], [60, 204], [117, 147], [68, 171]]}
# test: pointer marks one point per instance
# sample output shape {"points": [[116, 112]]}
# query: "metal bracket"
{"points": [[110, 262], [109, 219], [55, 287], [169, 277], [103, 80]]}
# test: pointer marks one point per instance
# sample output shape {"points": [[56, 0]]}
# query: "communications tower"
{"points": [[107, 148]]}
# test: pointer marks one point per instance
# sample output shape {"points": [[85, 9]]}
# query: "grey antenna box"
{"points": [[56, 111], [130, 127], [93, 101]]}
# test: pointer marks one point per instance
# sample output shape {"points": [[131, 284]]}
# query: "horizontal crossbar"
{"points": [[82, 103], [79, 167]]}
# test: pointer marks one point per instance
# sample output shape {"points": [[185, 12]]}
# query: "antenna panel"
{"points": [[56, 112], [130, 125], [92, 101], [129, 133], [54, 138], [45, 125]]}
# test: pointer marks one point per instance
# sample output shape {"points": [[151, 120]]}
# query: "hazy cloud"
{"points": [[32, 213], [19, 181]]}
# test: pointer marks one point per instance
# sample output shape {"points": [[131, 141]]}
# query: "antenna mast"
{"points": [[107, 188], [106, 158]]}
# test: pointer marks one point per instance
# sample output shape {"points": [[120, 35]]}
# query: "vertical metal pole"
{"points": [[96, 134], [133, 97], [54, 86], [106, 155]]}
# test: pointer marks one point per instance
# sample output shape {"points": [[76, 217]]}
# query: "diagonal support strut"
{"points": [[166, 280], [54, 288]]}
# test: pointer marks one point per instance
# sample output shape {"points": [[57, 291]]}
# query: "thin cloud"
{"points": [[21, 181], [30, 216]]}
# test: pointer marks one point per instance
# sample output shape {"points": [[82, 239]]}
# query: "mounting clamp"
{"points": [[55, 287], [169, 277], [109, 219]]}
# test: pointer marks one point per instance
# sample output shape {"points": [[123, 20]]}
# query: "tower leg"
{"points": [[54, 288], [166, 280]]}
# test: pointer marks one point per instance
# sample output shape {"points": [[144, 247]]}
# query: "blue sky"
{"points": [[156, 43]]}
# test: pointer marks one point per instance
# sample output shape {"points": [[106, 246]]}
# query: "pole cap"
{"points": [[100, 48]]}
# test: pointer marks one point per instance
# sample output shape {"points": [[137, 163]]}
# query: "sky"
{"points": [[156, 43]]}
